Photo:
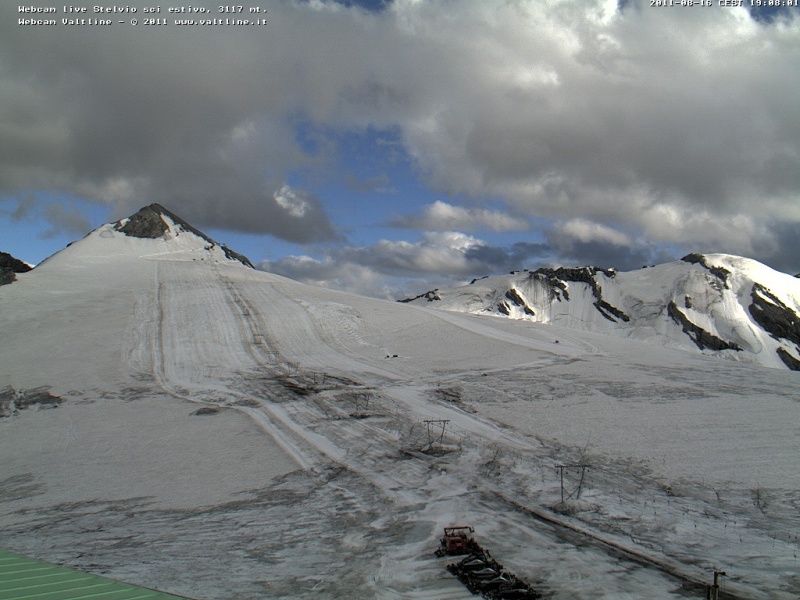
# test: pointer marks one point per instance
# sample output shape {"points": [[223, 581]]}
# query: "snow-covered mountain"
{"points": [[151, 231], [729, 305], [173, 418]]}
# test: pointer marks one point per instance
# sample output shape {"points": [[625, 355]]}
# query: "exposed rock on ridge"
{"points": [[720, 273], [773, 315], [9, 267], [702, 338], [149, 224], [146, 224], [777, 319], [430, 296], [556, 281], [514, 296], [714, 302]]}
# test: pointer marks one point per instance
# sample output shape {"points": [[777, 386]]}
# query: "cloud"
{"points": [[564, 110], [329, 273], [436, 253], [441, 216], [577, 112], [780, 244], [183, 118], [390, 269], [400, 269], [26, 205], [510, 258], [292, 202], [584, 231], [65, 220], [580, 242], [60, 219]]}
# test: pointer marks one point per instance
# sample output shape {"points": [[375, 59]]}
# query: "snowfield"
{"points": [[723, 305], [220, 432]]}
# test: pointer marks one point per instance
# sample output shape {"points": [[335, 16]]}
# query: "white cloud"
{"points": [[586, 231], [442, 252], [706, 231], [384, 268], [291, 202], [441, 216], [329, 273]]}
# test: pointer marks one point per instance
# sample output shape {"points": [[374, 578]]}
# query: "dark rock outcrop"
{"points": [[557, 278], [514, 296], [12, 264], [777, 319], [147, 223], [9, 267], [7, 277], [702, 338], [718, 272], [430, 296], [789, 360], [12, 401]]}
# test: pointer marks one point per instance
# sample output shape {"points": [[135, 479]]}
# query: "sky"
{"points": [[389, 147]]}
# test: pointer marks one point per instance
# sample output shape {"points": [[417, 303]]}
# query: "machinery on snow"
{"points": [[478, 571]]}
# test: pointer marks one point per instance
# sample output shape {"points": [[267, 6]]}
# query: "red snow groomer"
{"points": [[479, 571], [457, 540]]}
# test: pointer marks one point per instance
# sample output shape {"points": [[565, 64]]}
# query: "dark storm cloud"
{"points": [[610, 256], [680, 125], [192, 119], [781, 247], [516, 256], [565, 252]]}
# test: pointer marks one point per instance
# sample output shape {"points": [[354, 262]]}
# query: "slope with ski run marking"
{"points": [[283, 493]]}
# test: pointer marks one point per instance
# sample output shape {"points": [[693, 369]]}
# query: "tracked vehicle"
{"points": [[478, 571]]}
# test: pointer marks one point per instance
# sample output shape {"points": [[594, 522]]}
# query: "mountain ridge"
{"points": [[724, 304], [151, 231]]}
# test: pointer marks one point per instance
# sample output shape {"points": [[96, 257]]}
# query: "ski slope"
{"points": [[310, 470]]}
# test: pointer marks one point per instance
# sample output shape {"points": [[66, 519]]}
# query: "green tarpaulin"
{"points": [[25, 578]]}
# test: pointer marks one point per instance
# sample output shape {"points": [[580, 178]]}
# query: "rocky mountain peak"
{"points": [[719, 303], [147, 223], [150, 223]]}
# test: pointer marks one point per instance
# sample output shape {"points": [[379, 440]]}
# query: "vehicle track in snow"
{"points": [[380, 438], [312, 421]]}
